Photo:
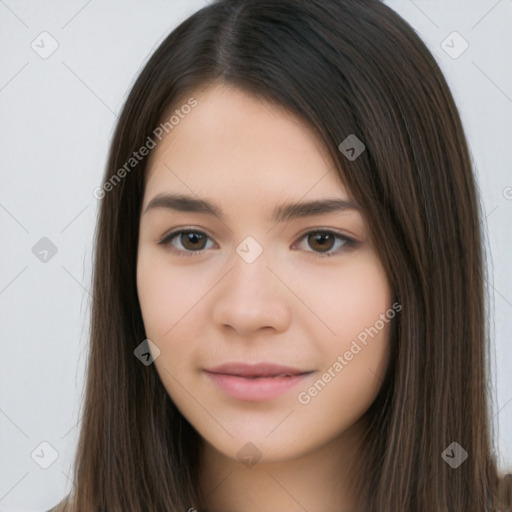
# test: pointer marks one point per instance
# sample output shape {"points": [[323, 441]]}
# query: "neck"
{"points": [[315, 481]]}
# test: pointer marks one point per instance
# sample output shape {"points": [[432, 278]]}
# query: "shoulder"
{"points": [[504, 495], [62, 506], [505, 492]]}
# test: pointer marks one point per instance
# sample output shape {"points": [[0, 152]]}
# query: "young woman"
{"points": [[289, 309]]}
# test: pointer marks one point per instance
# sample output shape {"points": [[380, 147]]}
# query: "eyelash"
{"points": [[349, 242]]}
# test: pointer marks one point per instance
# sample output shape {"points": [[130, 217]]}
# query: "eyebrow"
{"points": [[281, 213]]}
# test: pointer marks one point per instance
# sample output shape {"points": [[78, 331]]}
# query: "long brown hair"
{"points": [[344, 67]]}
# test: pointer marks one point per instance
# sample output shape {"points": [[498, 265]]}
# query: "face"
{"points": [[271, 322]]}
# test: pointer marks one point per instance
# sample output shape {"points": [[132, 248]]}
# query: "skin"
{"points": [[290, 306]]}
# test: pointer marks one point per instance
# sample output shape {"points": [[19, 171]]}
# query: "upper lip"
{"points": [[255, 370]]}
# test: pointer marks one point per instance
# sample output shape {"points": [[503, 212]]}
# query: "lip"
{"points": [[255, 382], [255, 369]]}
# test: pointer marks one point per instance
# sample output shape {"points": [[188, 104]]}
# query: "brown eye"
{"points": [[192, 241], [321, 241], [325, 243], [188, 242]]}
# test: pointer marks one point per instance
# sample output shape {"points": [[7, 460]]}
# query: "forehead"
{"points": [[233, 139]]}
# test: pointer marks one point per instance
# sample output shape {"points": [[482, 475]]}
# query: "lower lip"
{"points": [[255, 390]]}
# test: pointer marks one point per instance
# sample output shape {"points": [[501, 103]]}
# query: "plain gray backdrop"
{"points": [[67, 67]]}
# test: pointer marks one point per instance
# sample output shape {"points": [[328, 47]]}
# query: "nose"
{"points": [[252, 298]]}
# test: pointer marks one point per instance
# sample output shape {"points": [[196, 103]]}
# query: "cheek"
{"points": [[347, 299], [169, 298], [154, 291], [366, 297], [355, 360], [356, 305], [168, 294]]}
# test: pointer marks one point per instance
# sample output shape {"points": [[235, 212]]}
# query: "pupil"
{"points": [[192, 238], [322, 239]]}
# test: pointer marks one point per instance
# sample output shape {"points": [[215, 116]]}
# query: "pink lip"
{"points": [[255, 369], [256, 382]]}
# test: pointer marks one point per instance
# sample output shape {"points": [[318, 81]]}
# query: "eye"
{"points": [[323, 241], [192, 242]]}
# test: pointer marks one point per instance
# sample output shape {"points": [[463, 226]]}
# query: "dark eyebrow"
{"points": [[282, 213]]}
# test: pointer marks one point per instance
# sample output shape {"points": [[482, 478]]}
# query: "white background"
{"points": [[57, 116]]}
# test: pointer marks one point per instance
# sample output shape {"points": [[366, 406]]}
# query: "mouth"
{"points": [[256, 382]]}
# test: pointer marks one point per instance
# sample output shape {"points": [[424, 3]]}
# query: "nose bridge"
{"points": [[251, 296], [251, 268]]}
